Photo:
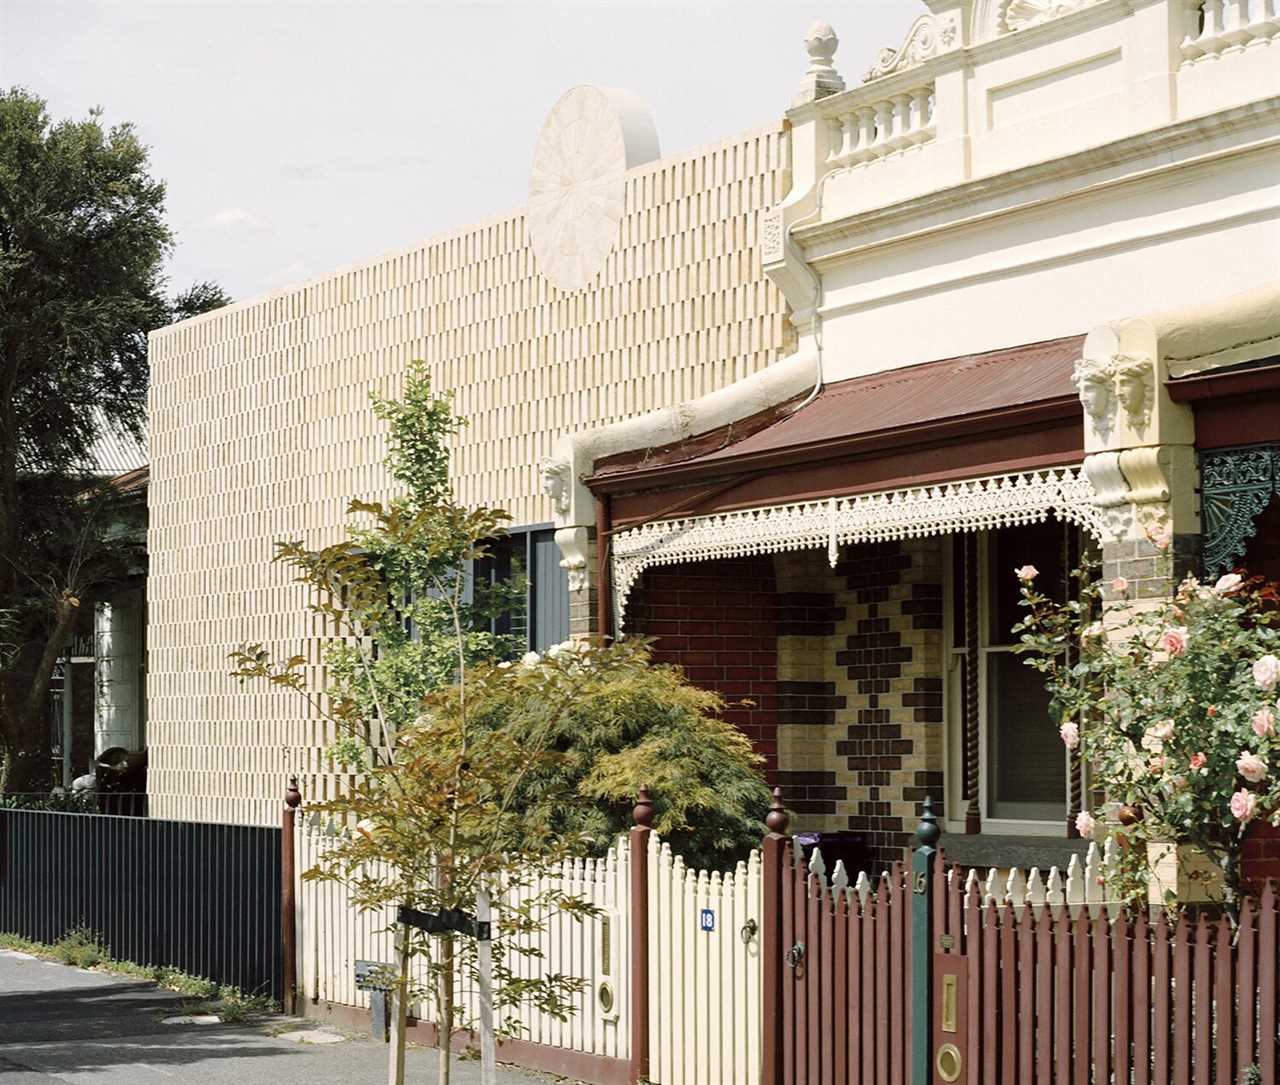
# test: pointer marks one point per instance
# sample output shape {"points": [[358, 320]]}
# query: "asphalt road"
{"points": [[61, 1024]]}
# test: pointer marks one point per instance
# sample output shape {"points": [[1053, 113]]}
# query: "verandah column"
{"points": [[1142, 465]]}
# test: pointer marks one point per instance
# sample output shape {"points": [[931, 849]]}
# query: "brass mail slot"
{"points": [[949, 993]]}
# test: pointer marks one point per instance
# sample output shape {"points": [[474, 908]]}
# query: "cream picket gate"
{"points": [[332, 935], [704, 984]]}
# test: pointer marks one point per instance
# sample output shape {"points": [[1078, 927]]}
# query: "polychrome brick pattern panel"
{"points": [[888, 657]]}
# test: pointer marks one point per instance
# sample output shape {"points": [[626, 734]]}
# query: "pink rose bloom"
{"points": [[1174, 641], [1086, 826], [1266, 672], [1156, 764], [1198, 761], [1263, 723], [1252, 767], [1244, 804], [1119, 584], [1070, 733], [1163, 730], [1227, 584], [1026, 573], [1161, 542]]}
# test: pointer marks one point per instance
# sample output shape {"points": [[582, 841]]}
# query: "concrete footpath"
{"points": [[63, 1024]]}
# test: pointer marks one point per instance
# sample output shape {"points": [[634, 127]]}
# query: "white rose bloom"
{"points": [[1266, 672], [530, 659], [1229, 583]]}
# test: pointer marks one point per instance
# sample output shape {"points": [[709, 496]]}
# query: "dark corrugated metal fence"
{"points": [[201, 898]]}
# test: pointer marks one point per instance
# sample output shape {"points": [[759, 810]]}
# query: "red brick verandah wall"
{"points": [[718, 620]]}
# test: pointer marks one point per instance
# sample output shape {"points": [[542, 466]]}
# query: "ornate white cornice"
{"points": [[928, 36], [973, 505]]}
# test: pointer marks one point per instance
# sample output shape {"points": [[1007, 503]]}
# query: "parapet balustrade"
{"points": [[1216, 27], [871, 128]]}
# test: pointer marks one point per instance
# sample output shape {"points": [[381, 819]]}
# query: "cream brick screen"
{"points": [[260, 429]]}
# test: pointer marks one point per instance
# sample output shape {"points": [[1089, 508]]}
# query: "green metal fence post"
{"points": [[927, 834]]}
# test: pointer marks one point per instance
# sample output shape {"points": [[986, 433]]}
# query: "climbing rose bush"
{"points": [[1174, 706]]}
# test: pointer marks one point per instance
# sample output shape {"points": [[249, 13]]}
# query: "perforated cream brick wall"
{"points": [[260, 429]]}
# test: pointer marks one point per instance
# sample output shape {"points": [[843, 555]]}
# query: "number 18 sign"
{"points": [[707, 921]]}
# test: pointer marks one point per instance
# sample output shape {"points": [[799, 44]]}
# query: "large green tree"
{"points": [[82, 246]]}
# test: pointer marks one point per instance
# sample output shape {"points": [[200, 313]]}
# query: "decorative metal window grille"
{"points": [[1236, 484]]}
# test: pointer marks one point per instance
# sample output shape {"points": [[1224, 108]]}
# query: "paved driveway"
{"points": [[61, 1024]]}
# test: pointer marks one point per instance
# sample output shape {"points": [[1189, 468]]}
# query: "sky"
{"points": [[297, 137]]}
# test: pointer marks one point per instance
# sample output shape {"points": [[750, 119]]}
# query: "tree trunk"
{"points": [[399, 1008], [444, 1035]]}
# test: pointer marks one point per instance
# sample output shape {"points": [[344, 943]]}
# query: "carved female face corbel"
{"points": [[555, 484], [1134, 380], [1093, 383]]}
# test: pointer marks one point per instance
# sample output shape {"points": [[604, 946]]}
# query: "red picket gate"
{"points": [[1045, 993], [844, 973]]}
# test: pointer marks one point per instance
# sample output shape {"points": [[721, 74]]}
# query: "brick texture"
{"points": [[1260, 856], [844, 667], [717, 620]]}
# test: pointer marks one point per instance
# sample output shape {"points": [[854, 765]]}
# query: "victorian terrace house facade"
{"points": [[1032, 265]]}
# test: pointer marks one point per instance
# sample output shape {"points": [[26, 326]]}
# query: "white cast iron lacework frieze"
{"points": [[974, 505]]}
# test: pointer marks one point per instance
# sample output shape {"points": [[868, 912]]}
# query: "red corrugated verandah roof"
{"points": [[1003, 410]]}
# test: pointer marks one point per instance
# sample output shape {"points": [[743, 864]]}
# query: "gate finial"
{"points": [[642, 814], [927, 832], [292, 796], [777, 820]]}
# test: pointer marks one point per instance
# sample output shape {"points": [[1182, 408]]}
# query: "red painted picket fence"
{"points": [[1111, 997], [1047, 993]]}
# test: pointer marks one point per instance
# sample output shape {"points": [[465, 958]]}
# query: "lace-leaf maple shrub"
{"points": [[1173, 705]]}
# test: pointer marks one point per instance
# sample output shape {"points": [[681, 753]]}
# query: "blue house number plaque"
{"points": [[708, 920]]}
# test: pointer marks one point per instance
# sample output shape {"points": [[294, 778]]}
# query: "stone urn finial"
{"points": [[822, 78]]}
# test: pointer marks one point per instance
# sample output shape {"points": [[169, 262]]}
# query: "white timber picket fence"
{"points": [[704, 971], [686, 1011], [1081, 888], [332, 936], [700, 931]]}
